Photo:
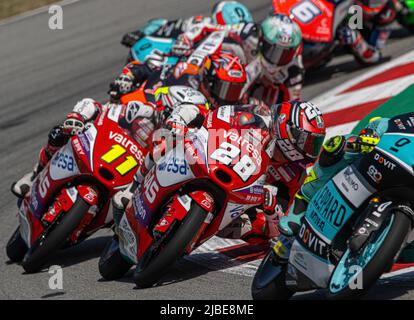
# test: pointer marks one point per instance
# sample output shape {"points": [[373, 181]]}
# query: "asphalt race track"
{"points": [[43, 73]]}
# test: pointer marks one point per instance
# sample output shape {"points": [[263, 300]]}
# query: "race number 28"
{"points": [[227, 152], [306, 11]]}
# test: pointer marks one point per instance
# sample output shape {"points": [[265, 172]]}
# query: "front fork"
{"points": [[65, 201], [178, 209]]}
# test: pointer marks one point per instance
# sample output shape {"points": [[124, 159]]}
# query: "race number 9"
{"points": [[306, 11]]}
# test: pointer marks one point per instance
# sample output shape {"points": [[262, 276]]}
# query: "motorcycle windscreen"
{"points": [[314, 17], [149, 45]]}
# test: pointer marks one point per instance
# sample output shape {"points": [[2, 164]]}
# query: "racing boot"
{"points": [[265, 222], [121, 200], [22, 186], [289, 225], [281, 248], [56, 139]]}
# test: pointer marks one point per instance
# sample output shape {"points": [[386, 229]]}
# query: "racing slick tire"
{"points": [[172, 250], [54, 237], [381, 260], [269, 281], [16, 248]]}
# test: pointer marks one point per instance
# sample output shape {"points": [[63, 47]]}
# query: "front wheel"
{"points": [[269, 280], [173, 249], [355, 273], [55, 237], [16, 247]]}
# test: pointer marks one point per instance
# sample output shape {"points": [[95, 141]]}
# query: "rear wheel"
{"points": [[369, 264], [111, 263], [54, 237], [269, 280], [172, 250], [16, 247]]}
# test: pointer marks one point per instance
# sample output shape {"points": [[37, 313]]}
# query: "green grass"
{"points": [[10, 8]]}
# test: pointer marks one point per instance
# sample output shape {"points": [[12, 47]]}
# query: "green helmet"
{"points": [[280, 39]]}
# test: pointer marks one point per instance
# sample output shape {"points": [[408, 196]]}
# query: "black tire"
{"points": [[44, 247], [111, 263], [16, 247], [172, 250], [269, 281], [382, 259]]}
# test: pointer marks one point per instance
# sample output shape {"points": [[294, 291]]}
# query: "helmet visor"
{"points": [[276, 54], [309, 143], [228, 92]]}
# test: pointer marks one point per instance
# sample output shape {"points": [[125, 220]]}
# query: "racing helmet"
{"points": [[224, 78], [169, 98], [280, 39], [299, 130], [230, 12]]}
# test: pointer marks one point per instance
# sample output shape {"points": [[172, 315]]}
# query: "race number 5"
{"points": [[306, 11]]}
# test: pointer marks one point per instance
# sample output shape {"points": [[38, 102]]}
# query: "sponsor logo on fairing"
{"points": [[127, 144], [142, 212], [384, 161], [351, 186], [374, 174], [312, 241]]}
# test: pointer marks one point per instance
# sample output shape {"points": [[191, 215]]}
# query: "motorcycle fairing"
{"points": [[232, 212], [318, 19], [63, 164], [398, 147], [327, 213], [315, 17], [87, 141], [173, 168], [128, 243], [147, 45]]}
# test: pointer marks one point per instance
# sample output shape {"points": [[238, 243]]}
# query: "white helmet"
{"points": [[87, 108], [177, 95]]}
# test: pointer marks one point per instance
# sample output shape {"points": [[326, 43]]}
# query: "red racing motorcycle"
{"points": [[196, 189], [319, 21], [70, 198]]}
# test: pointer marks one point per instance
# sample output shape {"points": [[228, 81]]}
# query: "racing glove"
{"points": [[365, 142], [155, 60], [129, 39], [183, 46], [74, 124]]}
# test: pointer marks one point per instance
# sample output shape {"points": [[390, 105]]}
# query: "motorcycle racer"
{"points": [[272, 51], [220, 77], [136, 117], [338, 152], [299, 131], [223, 13], [366, 44]]}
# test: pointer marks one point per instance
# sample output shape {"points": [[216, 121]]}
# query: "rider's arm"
{"points": [[295, 78], [133, 74]]}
